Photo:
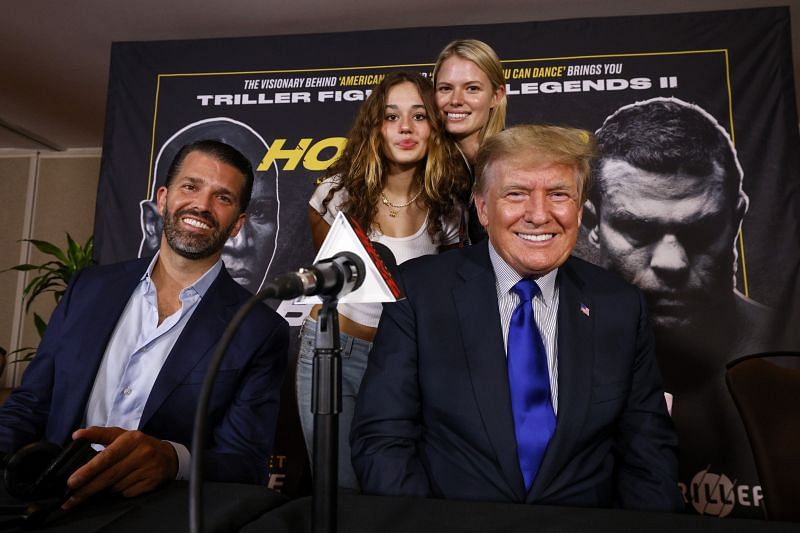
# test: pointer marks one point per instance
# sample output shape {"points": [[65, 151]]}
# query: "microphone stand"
{"points": [[342, 273], [326, 404]]}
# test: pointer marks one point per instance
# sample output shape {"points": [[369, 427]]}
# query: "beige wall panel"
{"points": [[14, 173], [65, 202]]}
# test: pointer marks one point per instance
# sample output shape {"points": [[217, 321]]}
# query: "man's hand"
{"points": [[132, 463]]}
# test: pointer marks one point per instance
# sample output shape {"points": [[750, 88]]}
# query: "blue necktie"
{"points": [[529, 382]]}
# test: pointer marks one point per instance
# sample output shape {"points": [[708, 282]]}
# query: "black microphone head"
{"points": [[357, 268], [284, 287]]}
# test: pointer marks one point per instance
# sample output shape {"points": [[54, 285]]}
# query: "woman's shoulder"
{"points": [[323, 191], [324, 186], [326, 183]]}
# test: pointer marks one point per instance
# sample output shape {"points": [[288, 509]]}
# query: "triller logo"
{"points": [[716, 495]]}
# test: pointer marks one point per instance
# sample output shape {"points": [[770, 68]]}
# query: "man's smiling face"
{"points": [[201, 208], [531, 211]]}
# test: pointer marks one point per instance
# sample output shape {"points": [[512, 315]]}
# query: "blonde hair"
{"points": [[540, 144], [486, 59]]}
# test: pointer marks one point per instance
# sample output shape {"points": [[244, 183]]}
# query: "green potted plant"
{"points": [[52, 276]]}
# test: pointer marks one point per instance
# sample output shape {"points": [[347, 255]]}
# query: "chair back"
{"points": [[767, 396]]}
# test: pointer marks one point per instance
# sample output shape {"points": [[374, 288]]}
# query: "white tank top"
{"points": [[403, 248]]}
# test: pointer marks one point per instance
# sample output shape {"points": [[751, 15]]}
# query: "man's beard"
{"points": [[191, 245]]}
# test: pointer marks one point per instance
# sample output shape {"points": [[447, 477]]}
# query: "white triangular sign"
{"points": [[342, 237]]}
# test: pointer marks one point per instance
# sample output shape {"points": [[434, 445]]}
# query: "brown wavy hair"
{"points": [[363, 165]]}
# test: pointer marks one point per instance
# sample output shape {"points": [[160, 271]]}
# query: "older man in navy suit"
{"points": [[126, 350], [513, 371]]}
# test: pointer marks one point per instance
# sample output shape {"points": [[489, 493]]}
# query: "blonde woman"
{"points": [[471, 96]]}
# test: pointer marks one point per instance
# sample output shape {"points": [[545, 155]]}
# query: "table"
{"points": [[228, 506], [378, 514]]}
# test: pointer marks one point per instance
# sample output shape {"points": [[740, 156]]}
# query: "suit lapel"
{"points": [[479, 319], [575, 359], [198, 338], [105, 312]]}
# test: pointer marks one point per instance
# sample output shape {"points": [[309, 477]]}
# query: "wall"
{"points": [[45, 195]]}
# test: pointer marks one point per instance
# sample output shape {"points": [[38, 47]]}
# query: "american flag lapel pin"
{"points": [[585, 309]]}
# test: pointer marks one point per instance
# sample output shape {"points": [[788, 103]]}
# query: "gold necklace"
{"points": [[394, 210]]}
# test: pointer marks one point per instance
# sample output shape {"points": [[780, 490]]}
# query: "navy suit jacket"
{"points": [[51, 401], [434, 417]]}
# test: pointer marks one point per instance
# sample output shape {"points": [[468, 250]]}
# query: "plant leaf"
{"points": [[43, 285], [40, 324], [49, 249], [74, 253], [22, 268], [21, 355], [54, 275]]}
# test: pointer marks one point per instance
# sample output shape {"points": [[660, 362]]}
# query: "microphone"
{"points": [[336, 276]]}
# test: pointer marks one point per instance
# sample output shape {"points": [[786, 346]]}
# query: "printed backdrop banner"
{"points": [[716, 290]]}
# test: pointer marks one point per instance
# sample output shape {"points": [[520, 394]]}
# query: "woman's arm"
{"points": [[319, 228]]}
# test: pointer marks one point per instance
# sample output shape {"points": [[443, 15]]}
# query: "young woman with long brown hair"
{"points": [[400, 179]]}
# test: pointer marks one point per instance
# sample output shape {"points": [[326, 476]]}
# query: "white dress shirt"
{"points": [[545, 312], [138, 348]]}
